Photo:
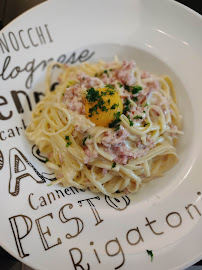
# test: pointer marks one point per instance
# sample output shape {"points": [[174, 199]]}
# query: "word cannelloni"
{"points": [[108, 127]]}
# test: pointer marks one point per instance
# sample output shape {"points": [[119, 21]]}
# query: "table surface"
{"points": [[10, 9]]}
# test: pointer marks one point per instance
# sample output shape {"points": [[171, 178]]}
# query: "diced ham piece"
{"points": [[104, 171], [73, 98], [115, 138], [145, 75], [61, 158], [122, 154], [150, 86], [154, 85], [88, 81], [91, 154], [126, 73]]}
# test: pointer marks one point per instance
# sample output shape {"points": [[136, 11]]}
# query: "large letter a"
{"points": [[18, 170]]}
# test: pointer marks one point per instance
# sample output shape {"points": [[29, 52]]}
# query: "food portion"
{"points": [[108, 127]]}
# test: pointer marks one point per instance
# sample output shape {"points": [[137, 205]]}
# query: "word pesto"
{"points": [[69, 214]]}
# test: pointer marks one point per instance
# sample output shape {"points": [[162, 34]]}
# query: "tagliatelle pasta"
{"points": [[108, 127]]}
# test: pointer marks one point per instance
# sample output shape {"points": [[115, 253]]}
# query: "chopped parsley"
{"points": [[84, 140], [114, 106], [120, 85], [134, 98], [137, 117], [93, 110], [146, 124], [92, 95], [126, 105], [144, 112], [68, 144], [115, 123], [110, 92], [68, 141], [150, 253], [106, 72], [110, 86], [130, 122], [136, 89], [146, 105], [127, 87], [113, 165], [46, 160], [89, 137]]}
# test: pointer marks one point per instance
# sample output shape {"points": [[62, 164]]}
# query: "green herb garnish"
{"points": [[68, 144], [146, 105], [136, 89], [126, 105], [114, 106], [106, 72], [113, 165], [93, 110], [46, 160], [110, 86], [115, 123], [127, 87], [146, 124], [137, 117], [134, 98], [92, 95], [68, 141], [130, 122], [84, 140], [120, 85], [110, 92], [150, 253]]}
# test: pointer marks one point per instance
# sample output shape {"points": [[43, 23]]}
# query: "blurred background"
{"points": [[9, 10]]}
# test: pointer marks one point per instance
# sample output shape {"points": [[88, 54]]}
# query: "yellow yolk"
{"points": [[113, 104]]}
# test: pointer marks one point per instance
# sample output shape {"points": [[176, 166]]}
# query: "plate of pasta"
{"points": [[100, 147]]}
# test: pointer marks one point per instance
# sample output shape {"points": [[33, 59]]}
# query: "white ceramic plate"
{"points": [[55, 228]]}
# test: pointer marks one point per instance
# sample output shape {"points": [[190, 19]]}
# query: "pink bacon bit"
{"points": [[145, 75], [61, 158], [114, 138], [59, 176], [104, 171], [126, 73], [154, 85], [122, 153], [73, 99], [91, 154], [49, 155], [88, 81]]}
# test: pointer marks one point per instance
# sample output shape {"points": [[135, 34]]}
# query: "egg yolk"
{"points": [[103, 110]]}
